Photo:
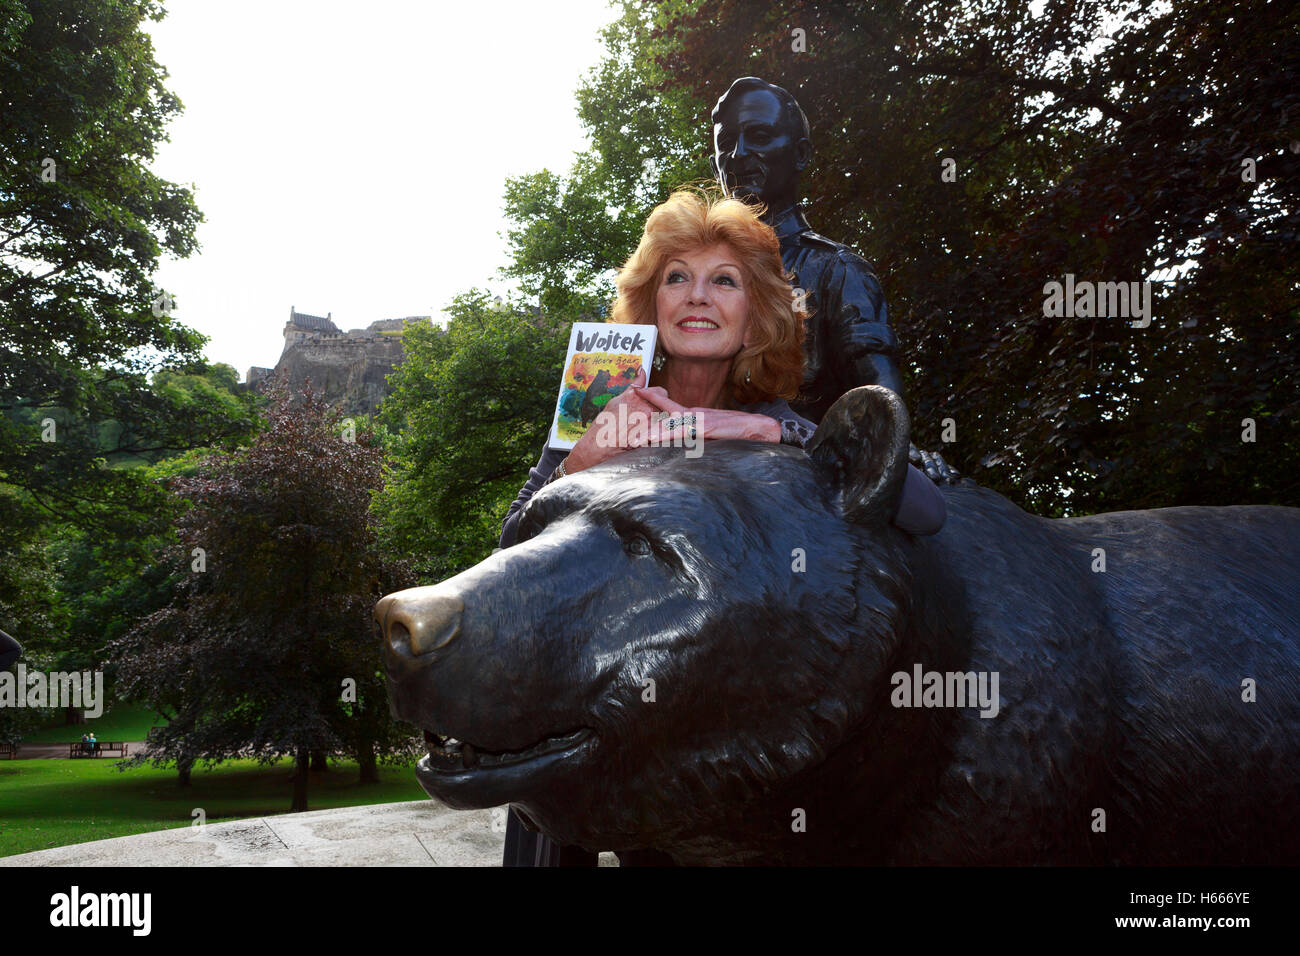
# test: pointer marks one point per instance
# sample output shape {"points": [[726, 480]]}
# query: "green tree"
{"points": [[83, 223], [106, 584], [1095, 138], [31, 611], [18, 722], [208, 403], [70, 590], [468, 413], [271, 614], [572, 232]]}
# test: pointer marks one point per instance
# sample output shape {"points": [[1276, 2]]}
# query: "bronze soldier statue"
{"points": [[761, 145]]}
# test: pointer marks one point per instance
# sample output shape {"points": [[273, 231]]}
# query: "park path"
{"points": [[60, 751], [414, 833]]}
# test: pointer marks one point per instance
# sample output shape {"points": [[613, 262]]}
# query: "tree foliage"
{"points": [[278, 576], [573, 231], [69, 589], [469, 413], [83, 223], [1098, 138]]}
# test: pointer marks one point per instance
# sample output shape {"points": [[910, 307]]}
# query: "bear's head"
{"points": [[670, 639]]}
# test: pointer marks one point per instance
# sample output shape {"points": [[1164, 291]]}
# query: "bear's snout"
{"points": [[419, 621]]}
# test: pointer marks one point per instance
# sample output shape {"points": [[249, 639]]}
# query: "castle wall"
{"points": [[256, 375], [348, 368], [349, 371]]}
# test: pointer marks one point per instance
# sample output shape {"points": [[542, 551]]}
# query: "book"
{"points": [[601, 363]]}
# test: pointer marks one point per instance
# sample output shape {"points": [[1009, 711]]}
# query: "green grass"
{"points": [[49, 803], [123, 723]]}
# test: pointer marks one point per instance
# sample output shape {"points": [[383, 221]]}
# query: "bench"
{"points": [[9, 751], [101, 748]]}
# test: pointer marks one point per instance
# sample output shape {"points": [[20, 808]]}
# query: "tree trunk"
{"points": [[300, 781], [73, 716], [183, 768], [318, 762], [366, 760]]}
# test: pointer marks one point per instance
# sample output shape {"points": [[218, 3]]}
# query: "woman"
{"points": [[729, 355]]}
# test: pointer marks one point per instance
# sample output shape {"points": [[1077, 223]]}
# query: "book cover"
{"points": [[601, 363]]}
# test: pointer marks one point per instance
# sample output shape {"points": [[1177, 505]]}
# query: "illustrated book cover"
{"points": [[601, 363]]}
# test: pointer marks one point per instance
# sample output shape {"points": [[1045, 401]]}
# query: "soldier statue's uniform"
{"points": [[848, 325]]}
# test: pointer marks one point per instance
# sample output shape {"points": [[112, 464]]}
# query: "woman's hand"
{"points": [[710, 423], [604, 438], [643, 423]]}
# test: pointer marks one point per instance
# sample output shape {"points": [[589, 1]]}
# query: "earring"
{"points": [[746, 376], [658, 362]]}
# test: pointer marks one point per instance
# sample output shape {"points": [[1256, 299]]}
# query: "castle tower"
{"points": [[301, 326]]}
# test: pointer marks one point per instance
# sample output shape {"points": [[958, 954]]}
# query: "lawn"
{"points": [[48, 803], [123, 722]]}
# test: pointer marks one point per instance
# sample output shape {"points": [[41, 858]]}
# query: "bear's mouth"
{"points": [[449, 755]]}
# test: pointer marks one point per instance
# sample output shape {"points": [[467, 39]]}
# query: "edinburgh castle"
{"points": [[349, 368]]}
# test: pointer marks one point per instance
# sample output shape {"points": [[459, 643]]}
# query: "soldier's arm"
{"points": [[864, 348]]}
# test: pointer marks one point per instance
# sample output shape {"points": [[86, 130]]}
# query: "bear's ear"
{"points": [[862, 443]]}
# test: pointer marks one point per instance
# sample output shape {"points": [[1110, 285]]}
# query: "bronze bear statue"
{"points": [[737, 659]]}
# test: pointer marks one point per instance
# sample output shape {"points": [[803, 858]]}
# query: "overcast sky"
{"points": [[352, 158]]}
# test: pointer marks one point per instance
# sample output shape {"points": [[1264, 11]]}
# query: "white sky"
{"points": [[316, 135]]}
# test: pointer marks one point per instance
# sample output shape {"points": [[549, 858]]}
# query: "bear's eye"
{"points": [[638, 544]]}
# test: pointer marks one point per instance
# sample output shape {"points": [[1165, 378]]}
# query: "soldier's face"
{"points": [[757, 155]]}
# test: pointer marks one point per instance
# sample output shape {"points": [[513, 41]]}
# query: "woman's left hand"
{"points": [[710, 423]]}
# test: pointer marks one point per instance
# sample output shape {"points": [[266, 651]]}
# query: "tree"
{"points": [[105, 584], [83, 223], [206, 396], [268, 647], [573, 231], [468, 413], [1099, 139], [70, 590], [976, 152]]}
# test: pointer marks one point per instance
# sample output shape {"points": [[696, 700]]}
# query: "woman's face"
{"points": [[702, 304]]}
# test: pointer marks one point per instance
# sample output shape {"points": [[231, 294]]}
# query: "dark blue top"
{"points": [[10, 650], [920, 509]]}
